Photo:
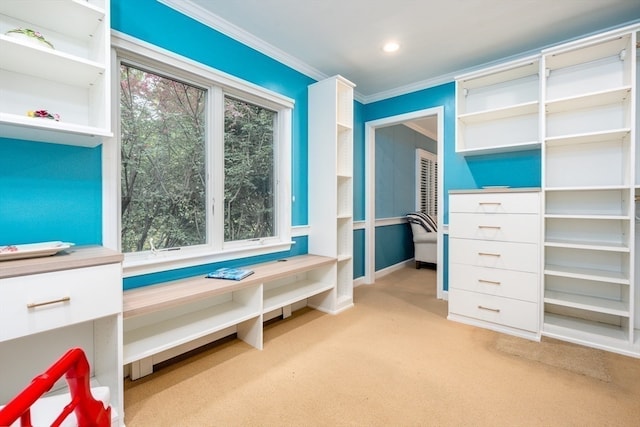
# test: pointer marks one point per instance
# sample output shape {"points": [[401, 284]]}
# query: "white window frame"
{"points": [[218, 84]]}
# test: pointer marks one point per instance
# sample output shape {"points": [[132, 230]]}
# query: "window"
{"points": [[427, 182], [204, 163]]}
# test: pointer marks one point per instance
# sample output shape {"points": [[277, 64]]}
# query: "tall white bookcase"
{"points": [[331, 182], [589, 97], [71, 79]]}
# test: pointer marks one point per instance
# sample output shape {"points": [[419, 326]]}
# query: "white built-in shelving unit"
{"points": [[498, 109], [72, 79], [331, 181], [589, 169]]}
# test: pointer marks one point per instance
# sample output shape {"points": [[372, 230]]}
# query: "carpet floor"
{"points": [[392, 360]]}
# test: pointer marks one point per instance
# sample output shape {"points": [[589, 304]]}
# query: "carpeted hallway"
{"points": [[392, 360]]}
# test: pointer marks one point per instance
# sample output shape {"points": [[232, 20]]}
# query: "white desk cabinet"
{"points": [[494, 279], [49, 305]]}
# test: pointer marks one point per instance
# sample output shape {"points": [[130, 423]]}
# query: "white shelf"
{"points": [[584, 302], [580, 331], [587, 274], [594, 245], [281, 296], [76, 18], [72, 79], [490, 149], [588, 100], [588, 138], [500, 113], [587, 216], [151, 339], [25, 58], [582, 54]]}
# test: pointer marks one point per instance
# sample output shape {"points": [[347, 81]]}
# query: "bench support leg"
{"points": [[141, 367]]}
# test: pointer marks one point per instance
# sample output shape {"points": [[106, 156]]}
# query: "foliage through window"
{"points": [[169, 155]]}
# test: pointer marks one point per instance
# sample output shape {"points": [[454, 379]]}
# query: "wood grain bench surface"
{"points": [[149, 299]]}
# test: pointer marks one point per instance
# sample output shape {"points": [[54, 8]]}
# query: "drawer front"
{"points": [[528, 202], [500, 227], [490, 308], [40, 302], [492, 281], [503, 255]]}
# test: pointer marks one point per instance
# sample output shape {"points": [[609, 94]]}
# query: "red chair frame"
{"points": [[75, 367]]}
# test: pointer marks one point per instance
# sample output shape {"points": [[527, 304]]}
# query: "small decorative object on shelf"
{"points": [[44, 114], [29, 35], [230, 273]]}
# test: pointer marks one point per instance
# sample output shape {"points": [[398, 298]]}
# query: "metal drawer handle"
{"points": [[488, 254], [490, 282], [495, 310], [489, 203], [55, 301], [497, 227]]}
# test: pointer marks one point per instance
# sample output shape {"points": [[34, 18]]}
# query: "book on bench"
{"points": [[230, 273]]}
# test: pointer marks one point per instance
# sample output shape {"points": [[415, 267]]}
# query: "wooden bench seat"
{"points": [[164, 320]]}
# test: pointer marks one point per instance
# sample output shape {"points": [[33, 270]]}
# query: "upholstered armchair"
{"points": [[425, 238]]}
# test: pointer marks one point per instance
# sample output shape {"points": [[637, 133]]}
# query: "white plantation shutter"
{"points": [[426, 182]]}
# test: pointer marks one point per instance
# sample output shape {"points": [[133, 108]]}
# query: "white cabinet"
{"points": [[331, 180], [588, 154], [498, 109], [71, 79], [49, 305], [494, 241]]}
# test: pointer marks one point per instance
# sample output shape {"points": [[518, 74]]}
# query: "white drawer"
{"points": [[526, 202], [492, 281], [40, 302], [502, 227], [490, 308], [504, 255]]}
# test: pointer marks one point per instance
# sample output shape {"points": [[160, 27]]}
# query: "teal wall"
{"points": [[49, 192]]}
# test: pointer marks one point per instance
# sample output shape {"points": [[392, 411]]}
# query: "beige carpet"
{"points": [[392, 360]]}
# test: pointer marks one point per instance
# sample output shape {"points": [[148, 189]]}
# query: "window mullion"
{"points": [[215, 166]]}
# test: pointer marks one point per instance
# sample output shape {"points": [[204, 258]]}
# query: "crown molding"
{"points": [[188, 8]]}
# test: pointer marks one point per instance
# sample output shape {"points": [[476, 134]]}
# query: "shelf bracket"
{"points": [[623, 54]]}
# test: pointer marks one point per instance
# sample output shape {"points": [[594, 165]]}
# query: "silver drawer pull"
{"points": [[490, 282], [496, 227], [55, 301], [488, 254], [495, 310], [490, 203]]}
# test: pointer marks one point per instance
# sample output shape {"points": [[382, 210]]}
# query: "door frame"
{"points": [[370, 195]]}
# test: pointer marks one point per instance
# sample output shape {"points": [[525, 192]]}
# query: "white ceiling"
{"points": [[439, 38]]}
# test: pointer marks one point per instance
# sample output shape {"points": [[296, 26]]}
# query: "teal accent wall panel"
{"points": [[358, 253], [49, 192], [392, 245]]}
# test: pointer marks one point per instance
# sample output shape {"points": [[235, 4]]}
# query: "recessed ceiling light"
{"points": [[391, 47]]}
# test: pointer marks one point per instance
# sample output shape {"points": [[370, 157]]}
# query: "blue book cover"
{"points": [[230, 273]]}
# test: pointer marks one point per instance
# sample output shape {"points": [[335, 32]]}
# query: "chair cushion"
{"points": [[426, 221]]}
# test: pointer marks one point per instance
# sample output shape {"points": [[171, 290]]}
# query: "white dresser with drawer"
{"points": [[494, 259], [52, 304]]}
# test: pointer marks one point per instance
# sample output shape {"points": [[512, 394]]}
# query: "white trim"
{"points": [[300, 230], [370, 202], [384, 222], [145, 51], [218, 85], [395, 267]]}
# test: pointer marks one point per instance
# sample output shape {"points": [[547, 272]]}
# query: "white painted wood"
{"points": [[331, 183], [490, 308], [492, 281], [494, 260], [76, 81], [497, 227], [589, 175], [498, 109], [90, 320]]}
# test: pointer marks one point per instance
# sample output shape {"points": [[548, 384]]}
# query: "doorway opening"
{"points": [[429, 122]]}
